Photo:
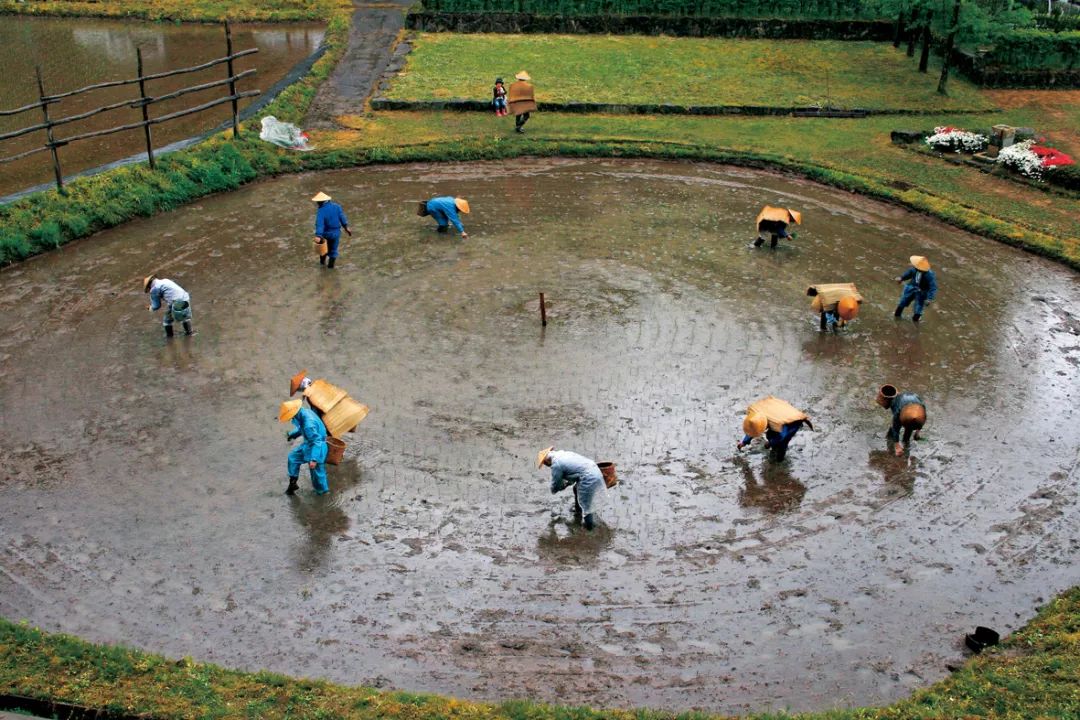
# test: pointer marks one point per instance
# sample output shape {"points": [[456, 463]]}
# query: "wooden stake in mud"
{"points": [[543, 311], [232, 82], [49, 133], [145, 108]]}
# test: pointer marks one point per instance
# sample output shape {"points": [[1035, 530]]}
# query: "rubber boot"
{"points": [[322, 259], [899, 311], [293, 486], [577, 505], [774, 241], [759, 241], [822, 324], [168, 331], [188, 330], [330, 263], [444, 228], [915, 317], [589, 522]]}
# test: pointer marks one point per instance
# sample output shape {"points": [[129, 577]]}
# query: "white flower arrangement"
{"points": [[1022, 158], [949, 138]]}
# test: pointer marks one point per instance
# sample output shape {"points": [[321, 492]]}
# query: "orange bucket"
{"points": [[607, 469], [335, 452], [321, 248]]}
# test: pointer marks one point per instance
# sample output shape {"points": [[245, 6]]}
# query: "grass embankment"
{"points": [[1032, 675], [189, 10], [681, 71]]}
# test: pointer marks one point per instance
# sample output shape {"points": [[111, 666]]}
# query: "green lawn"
{"points": [[684, 71], [201, 10]]}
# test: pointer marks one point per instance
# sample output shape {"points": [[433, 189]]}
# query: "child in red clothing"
{"points": [[498, 98]]}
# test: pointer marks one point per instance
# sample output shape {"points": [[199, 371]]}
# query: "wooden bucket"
{"points": [[885, 396], [607, 469], [336, 451]]}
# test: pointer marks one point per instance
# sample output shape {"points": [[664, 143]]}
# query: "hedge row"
{"points": [[674, 25], [1035, 50], [864, 9]]}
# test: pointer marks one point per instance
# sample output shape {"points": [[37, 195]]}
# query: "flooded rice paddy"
{"points": [[142, 480], [73, 53]]}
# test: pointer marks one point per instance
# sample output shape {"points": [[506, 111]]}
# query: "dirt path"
{"points": [[375, 27]]}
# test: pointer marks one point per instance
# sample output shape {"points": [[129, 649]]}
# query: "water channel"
{"points": [[142, 479], [74, 53]]}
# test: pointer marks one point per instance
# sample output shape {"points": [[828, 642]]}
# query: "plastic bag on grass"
{"points": [[284, 134]]}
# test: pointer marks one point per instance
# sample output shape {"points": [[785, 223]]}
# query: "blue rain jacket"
{"points": [[329, 219], [445, 212], [308, 424]]}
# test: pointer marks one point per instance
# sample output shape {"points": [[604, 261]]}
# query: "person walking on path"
{"points": [[921, 287], [444, 210], [774, 220], [330, 220], [778, 420], [177, 303], [522, 100], [908, 413], [568, 468], [313, 452]]}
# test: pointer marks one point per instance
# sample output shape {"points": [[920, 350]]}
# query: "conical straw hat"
{"points": [[288, 409], [462, 205], [543, 454], [523, 76], [320, 197], [920, 263], [796, 216], [754, 424], [913, 415], [295, 380], [146, 282]]}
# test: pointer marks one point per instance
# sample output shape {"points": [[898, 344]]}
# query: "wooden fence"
{"points": [[144, 101]]}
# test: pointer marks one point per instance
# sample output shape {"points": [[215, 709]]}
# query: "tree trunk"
{"points": [[898, 30], [927, 38], [913, 32], [950, 41]]}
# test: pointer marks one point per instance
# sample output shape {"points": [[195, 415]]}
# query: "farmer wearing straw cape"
{"points": [[921, 287], [444, 211], [908, 412], [836, 303], [568, 468], [330, 220], [522, 100], [777, 420], [775, 220], [177, 303], [313, 451]]}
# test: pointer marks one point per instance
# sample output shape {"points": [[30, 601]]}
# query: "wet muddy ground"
{"points": [[142, 480]]}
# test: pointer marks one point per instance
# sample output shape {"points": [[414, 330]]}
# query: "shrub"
{"points": [[950, 138]]}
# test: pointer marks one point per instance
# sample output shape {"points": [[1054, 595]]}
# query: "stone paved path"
{"points": [[375, 27]]}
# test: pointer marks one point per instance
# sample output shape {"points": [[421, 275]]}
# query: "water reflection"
{"points": [[74, 53], [899, 473], [778, 491], [569, 542]]}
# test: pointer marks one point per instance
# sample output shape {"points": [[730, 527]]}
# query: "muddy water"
{"points": [[142, 480], [74, 53]]}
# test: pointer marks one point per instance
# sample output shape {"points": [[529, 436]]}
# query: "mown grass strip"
{"points": [[680, 71], [1032, 675]]}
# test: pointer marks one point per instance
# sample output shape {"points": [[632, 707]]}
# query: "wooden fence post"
{"points": [[49, 133], [232, 83], [145, 108]]}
